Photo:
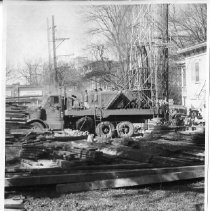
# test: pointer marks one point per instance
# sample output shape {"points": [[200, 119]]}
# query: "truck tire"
{"points": [[105, 129], [125, 129], [85, 124], [37, 126]]}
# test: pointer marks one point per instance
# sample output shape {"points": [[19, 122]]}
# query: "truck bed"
{"points": [[105, 113]]}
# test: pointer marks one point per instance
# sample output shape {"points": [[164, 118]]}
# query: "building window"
{"points": [[197, 72], [56, 99]]}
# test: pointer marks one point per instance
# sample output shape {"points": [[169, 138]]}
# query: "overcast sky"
{"points": [[27, 30]]}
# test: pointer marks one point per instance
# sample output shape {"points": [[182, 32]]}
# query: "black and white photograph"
{"points": [[105, 105]]}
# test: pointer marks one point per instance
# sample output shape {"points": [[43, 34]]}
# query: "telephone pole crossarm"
{"points": [[62, 40]]}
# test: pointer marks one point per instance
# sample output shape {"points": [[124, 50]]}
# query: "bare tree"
{"points": [[31, 72], [10, 74], [120, 29], [188, 24], [68, 75], [112, 24], [103, 69]]}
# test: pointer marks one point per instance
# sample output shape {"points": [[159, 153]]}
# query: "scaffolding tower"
{"points": [[147, 70]]}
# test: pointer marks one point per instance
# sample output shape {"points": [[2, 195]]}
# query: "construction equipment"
{"points": [[112, 111]]}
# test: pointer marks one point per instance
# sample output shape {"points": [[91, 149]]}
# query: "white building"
{"points": [[194, 76]]}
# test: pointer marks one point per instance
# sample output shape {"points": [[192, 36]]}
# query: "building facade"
{"points": [[25, 94], [194, 76]]}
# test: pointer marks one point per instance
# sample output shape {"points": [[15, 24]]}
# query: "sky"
{"points": [[26, 31]]}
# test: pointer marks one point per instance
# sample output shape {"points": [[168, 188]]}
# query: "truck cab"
{"points": [[53, 108]]}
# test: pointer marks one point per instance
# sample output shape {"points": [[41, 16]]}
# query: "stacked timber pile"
{"points": [[16, 118], [55, 148]]}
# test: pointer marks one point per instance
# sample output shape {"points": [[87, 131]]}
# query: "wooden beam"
{"points": [[13, 204], [125, 152], [15, 209], [128, 182], [93, 175], [83, 168]]}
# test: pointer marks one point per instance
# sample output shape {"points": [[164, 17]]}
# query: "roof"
{"points": [[24, 86], [192, 48]]}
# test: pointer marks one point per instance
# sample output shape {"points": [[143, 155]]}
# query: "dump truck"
{"points": [[108, 113]]}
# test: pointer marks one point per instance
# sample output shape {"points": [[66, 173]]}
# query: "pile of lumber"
{"points": [[33, 145], [32, 157], [33, 138], [34, 152], [38, 146], [16, 113], [16, 118], [87, 153]]}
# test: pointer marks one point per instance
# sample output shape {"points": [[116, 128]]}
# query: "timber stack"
{"points": [[48, 146], [16, 118]]}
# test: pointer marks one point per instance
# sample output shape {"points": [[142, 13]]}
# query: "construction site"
{"points": [[125, 126]]}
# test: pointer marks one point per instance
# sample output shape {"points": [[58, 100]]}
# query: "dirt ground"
{"points": [[153, 146], [176, 196]]}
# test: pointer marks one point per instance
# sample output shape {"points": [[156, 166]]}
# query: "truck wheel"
{"points": [[84, 124], [105, 129], [125, 129], [37, 126]]}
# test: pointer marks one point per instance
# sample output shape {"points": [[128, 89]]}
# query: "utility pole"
{"points": [[57, 83], [54, 40], [165, 51], [54, 53], [49, 52]]}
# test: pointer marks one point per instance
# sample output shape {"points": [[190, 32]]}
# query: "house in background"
{"points": [[98, 74], [25, 94], [194, 76]]}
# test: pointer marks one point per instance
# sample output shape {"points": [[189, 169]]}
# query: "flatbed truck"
{"points": [[113, 111]]}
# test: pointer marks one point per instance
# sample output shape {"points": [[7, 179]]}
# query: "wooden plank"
{"points": [[16, 119], [198, 154], [128, 182], [15, 209], [8, 122], [191, 158], [19, 131], [83, 168], [92, 176], [170, 159], [17, 115], [69, 138], [125, 152], [113, 167], [9, 136], [13, 204]]}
